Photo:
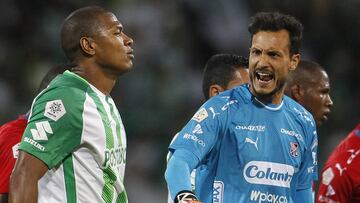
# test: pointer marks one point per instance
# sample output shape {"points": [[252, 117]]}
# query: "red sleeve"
{"points": [[336, 185], [10, 136]]}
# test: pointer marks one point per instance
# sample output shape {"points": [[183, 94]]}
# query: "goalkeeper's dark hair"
{"points": [[220, 69], [275, 21]]}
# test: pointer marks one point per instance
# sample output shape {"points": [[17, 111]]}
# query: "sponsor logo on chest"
{"points": [[268, 173], [259, 196], [255, 128], [114, 157], [292, 133]]}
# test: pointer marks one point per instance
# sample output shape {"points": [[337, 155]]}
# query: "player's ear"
{"points": [[295, 59], [297, 93], [215, 90], [87, 45]]}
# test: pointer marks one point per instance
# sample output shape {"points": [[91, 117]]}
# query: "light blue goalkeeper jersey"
{"points": [[249, 151]]}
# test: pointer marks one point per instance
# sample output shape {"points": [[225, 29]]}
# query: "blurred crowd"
{"points": [[173, 40]]}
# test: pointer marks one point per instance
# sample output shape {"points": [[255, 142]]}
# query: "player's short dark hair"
{"points": [[51, 74], [220, 69], [83, 22], [303, 73], [275, 21]]}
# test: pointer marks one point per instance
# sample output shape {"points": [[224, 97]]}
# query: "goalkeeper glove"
{"points": [[186, 197]]}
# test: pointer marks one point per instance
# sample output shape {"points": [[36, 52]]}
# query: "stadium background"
{"points": [[173, 40]]}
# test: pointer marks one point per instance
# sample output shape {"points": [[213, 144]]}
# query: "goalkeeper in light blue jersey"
{"points": [[251, 143], [222, 72]]}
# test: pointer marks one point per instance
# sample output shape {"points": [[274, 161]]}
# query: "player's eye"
{"points": [[273, 54], [255, 52]]}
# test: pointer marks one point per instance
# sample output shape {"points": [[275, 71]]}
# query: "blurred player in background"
{"points": [[340, 177], [74, 146], [10, 137], [222, 72], [256, 144], [309, 85]]}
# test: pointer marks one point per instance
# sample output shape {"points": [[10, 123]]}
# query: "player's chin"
{"points": [[324, 118], [128, 65], [264, 91], [126, 69], [123, 68]]}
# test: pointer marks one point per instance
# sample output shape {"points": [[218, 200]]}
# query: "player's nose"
{"points": [[329, 102]]}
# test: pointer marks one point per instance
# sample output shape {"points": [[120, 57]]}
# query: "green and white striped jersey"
{"points": [[78, 133]]}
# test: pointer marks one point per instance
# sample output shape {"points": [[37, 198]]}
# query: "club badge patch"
{"points": [[294, 149], [200, 115], [54, 110]]}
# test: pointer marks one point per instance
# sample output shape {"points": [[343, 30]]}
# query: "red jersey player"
{"points": [[10, 136], [340, 181]]}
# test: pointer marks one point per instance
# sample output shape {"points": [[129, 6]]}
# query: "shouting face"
{"points": [[269, 64]]}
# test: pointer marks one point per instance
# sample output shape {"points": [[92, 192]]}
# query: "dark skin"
{"points": [[27, 172], [314, 94], [102, 59]]}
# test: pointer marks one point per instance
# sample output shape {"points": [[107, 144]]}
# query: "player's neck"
{"points": [[275, 98], [96, 77]]}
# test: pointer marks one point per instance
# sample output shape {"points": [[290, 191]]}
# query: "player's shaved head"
{"points": [[84, 22], [305, 74], [309, 85]]}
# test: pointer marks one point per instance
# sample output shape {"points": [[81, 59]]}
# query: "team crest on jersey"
{"points": [[54, 110], [294, 149], [200, 115]]}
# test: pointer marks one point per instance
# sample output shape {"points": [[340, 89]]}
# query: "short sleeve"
{"points": [[55, 126]]}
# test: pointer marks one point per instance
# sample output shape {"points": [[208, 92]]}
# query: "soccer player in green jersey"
{"points": [[74, 146]]}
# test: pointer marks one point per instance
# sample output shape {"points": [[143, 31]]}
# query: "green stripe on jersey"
{"points": [[122, 198], [69, 177], [109, 175], [118, 127]]}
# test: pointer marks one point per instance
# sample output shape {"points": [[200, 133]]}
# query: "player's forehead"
{"points": [[271, 41], [321, 77], [109, 21]]}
